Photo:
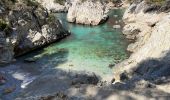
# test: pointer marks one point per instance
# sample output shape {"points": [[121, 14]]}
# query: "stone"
{"points": [[9, 90], [111, 65], [2, 80], [85, 79], [144, 84], [116, 26], [116, 16], [52, 6], [31, 29], [71, 65], [6, 49], [124, 76], [150, 49], [38, 37], [30, 60], [88, 12]]}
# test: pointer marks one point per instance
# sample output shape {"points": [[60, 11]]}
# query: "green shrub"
{"points": [[51, 18], [13, 1], [150, 1], [159, 2], [60, 1], [33, 3], [5, 27]]}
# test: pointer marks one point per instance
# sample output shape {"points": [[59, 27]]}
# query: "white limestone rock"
{"points": [[88, 12]]}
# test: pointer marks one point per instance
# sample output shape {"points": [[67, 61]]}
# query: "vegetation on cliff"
{"points": [[5, 27], [60, 1], [158, 2], [63, 1]]}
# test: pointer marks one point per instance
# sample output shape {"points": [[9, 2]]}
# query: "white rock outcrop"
{"points": [[51, 5], [152, 37], [31, 28], [88, 12]]}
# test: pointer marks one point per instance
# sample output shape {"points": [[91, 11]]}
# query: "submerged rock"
{"points": [[116, 26], [111, 65], [2, 80], [30, 60], [88, 12], [9, 90]]}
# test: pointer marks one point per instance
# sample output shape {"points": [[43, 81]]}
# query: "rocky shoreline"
{"points": [[149, 61], [145, 75], [86, 12], [147, 69], [26, 27]]}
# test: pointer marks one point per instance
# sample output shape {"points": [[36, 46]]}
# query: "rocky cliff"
{"points": [[54, 6], [148, 25], [90, 12], [26, 26]]}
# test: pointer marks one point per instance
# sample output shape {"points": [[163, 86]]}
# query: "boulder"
{"points": [[53, 6], [31, 27], [116, 26], [2, 80], [88, 12], [150, 49]]}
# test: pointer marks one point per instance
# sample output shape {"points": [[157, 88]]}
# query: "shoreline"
{"points": [[145, 71], [79, 83], [150, 51]]}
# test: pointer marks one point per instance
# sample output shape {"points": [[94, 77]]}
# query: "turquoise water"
{"points": [[89, 48]]}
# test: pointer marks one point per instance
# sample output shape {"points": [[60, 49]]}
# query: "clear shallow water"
{"points": [[88, 49], [92, 48]]}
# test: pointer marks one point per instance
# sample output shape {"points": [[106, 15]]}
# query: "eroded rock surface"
{"points": [[31, 27], [150, 51], [88, 12], [53, 6]]}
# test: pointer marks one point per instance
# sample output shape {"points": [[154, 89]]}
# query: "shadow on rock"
{"points": [[147, 77]]}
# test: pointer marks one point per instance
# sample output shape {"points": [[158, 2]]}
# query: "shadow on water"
{"points": [[76, 85], [28, 68], [41, 68], [59, 81], [151, 71]]}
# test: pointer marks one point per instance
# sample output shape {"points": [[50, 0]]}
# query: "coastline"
{"points": [[144, 75]]}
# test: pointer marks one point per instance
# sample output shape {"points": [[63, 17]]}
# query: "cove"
{"points": [[93, 49]]}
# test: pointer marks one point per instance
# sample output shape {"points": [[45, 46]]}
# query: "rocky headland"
{"points": [[147, 24], [24, 26]]}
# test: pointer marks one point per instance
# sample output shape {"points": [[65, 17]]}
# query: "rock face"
{"points": [[6, 49], [33, 27], [150, 51], [54, 7], [88, 12]]}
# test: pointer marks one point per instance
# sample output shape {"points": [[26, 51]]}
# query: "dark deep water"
{"points": [[88, 49]]}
